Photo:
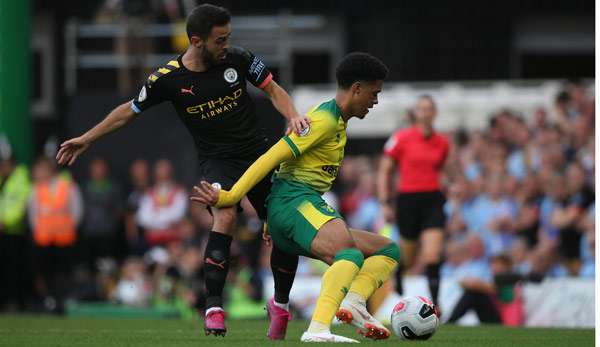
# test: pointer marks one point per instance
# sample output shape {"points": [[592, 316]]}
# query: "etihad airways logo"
{"points": [[217, 106]]}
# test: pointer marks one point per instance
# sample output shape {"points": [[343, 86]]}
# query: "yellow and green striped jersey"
{"points": [[319, 150]]}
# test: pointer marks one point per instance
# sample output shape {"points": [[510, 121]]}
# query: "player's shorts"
{"points": [[227, 171], [296, 212], [416, 212]]}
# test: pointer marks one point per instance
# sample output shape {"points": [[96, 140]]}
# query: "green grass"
{"points": [[30, 331]]}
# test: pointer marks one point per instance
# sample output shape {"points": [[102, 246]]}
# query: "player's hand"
{"points": [[266, 236], [70, 150], [298, 123], [206, 193]]}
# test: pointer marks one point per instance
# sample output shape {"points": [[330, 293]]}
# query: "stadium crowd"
{"points": [[524, 205]]}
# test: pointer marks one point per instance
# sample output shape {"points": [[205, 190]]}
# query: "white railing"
{"points": [[466, 105]]}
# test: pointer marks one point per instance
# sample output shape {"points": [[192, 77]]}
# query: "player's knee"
{"points": [[226, 218], [350, 254], [432, 256], [390, 250]]}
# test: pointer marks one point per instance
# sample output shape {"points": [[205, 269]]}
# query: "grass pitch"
{"points": [[30, 331]]}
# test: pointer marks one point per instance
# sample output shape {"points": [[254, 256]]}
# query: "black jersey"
{"points": [[214, 105]]}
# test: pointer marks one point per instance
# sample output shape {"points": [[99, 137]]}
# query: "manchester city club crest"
{"points": [[230, 75]]}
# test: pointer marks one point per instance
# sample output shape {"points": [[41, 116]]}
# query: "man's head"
{"points": [[98, 169], [163, 171], [209, 30], [361, 75]]}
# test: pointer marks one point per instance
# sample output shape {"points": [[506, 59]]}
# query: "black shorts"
{"points": [[227, 171], [416, 212]]}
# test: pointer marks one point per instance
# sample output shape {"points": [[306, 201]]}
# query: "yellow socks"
{"points": [[334, 287], [375, 271]]}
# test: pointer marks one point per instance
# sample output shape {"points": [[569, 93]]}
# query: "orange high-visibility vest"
{"points": [[54, 223]]}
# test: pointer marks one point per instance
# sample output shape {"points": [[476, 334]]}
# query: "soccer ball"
{"points": [[415, 318]]}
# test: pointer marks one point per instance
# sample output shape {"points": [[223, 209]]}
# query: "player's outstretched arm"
{"points": [[283, 103], [385, 173], [71, 149], [211, 195]]}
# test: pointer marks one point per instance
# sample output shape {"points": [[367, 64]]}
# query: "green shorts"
{"points": [[295, 212]]}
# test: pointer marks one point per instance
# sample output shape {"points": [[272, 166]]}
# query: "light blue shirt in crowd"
{"points": [[484, 211]]}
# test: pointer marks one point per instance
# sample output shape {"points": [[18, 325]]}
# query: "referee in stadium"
{"points": [[420, 153], [207, 87]]}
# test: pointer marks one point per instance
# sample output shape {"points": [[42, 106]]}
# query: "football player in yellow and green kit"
{"points": [[301, 222]]}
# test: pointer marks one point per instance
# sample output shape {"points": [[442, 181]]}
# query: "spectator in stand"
{"points": [[163, 207], [140, 182], [476, 279], [455, 256], [15, 187], [519, 160], [459, 207], [567, 215], [528, 198], [367, 214], [55, 209], [100, 228], [494, 215], [588, 243]]}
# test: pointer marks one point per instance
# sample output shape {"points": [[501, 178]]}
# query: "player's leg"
{"points": [[283, 267], [432, 245], [432, 240], [216, 254], [301, 222], [408, 216], [333, 244], [216, 267], [381, 258]]}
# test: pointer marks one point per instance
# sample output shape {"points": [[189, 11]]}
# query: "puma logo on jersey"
{"points": [[188, 91]]}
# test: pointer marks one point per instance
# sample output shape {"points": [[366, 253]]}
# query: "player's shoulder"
{"points": [[327, 111], [405, 133], [239, 52], [164, 70]]}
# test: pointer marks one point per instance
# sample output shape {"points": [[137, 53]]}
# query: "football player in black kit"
{"points": [[207, 87]]}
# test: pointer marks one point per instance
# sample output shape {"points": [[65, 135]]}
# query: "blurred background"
{"points": [[513, 81]]}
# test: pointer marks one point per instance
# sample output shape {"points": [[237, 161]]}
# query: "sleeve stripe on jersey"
{"points": [[293, 147], [164, 70], [173, 63], [135, 108], [266, 81]]}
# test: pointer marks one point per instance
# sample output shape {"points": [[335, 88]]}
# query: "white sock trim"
{"points": [[212, 309], [356, 298], [318, 327], [285, 306]]}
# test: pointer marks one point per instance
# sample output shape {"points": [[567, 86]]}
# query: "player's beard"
{"points": [[209, 59]]}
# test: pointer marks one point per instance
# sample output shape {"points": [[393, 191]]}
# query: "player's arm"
{"points": [[283, 103], [288, 147], [71, 149], [259, 75], [152, 93], [385, 174], [210, 195]]}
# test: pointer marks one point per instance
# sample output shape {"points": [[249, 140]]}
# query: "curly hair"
{"points": [[358, 66]]}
